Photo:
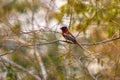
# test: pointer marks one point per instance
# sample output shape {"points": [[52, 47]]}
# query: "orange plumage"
{"points": [[68, 36]]}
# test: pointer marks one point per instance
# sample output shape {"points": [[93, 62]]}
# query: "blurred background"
{"points": [[32, 48]]}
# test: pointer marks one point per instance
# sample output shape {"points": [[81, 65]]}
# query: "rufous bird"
{"points": [[69, 37]]}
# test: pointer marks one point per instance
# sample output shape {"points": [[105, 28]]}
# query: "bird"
{"points": [[69, 37]]}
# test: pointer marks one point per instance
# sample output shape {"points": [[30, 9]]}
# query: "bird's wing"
{"points": [[69, 37]]}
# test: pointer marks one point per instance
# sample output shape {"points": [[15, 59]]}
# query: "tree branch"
{"points": [[55, 41], [83, 44], [20, 67], [101, 42]]}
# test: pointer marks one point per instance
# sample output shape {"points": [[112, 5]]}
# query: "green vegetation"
{"points": [[31, 51]]}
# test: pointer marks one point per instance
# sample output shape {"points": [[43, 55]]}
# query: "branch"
{"points": [[101, 42], [20, 67], [55, 41], [83, 44], [40, 30], [84, 67], [4, 54]]}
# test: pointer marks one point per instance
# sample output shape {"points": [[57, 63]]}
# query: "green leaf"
{"points": [[11, 74], [58, 16], [111, 31]]}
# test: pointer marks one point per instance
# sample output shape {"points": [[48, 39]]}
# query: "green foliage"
{"points": [[100, 19], [9, 7], [78, 7], [11, 74], [28, 77], [16, 29], [111, 31], [53, 61], [58, 16], [83, 25], [20, 58], [24, 5], [99, 14], [20, 7]]}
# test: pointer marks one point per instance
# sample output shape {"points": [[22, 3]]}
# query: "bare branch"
{"points": [[40, 30], [20, 67], [4, 54], [101, 42], [55, 41], [83, 44]]}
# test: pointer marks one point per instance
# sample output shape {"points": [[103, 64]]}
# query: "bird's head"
{"points": [[64, 28]]}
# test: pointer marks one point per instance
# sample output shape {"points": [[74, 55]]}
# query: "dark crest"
{"points": [[63, 28]]}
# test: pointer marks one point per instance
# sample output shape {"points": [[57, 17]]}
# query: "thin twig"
{"points": [[70, 19], [84, 68]]}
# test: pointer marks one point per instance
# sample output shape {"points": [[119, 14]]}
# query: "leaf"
{"points": [[16, 29], [111, 31], [58, 16], [11, 74]]}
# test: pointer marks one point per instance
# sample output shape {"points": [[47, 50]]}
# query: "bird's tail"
{"points": [[83, 48], [80, 46]]}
